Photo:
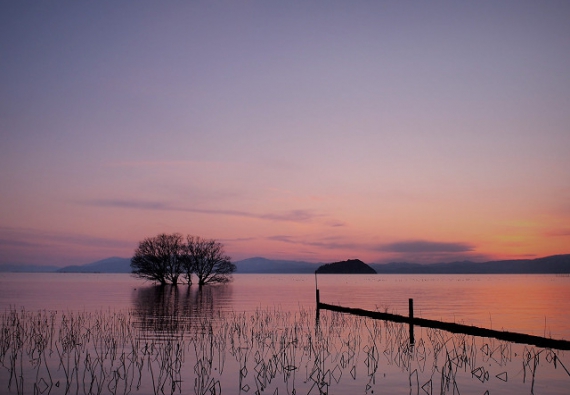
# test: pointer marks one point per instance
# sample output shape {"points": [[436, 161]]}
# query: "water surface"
{"points": [[109, 333], [533, 304]]}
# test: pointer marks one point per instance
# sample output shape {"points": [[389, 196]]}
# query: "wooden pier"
{"points": [[514, 337]]}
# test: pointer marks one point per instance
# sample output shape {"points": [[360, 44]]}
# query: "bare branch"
{"points": [[159, 258]]}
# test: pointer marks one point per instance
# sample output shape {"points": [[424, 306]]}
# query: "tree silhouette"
{"points": [[206, 258], [159, 258]]}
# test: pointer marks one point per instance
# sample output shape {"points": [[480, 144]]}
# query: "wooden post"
{"points": [[411, 308], [318, 316], [318, 298]]}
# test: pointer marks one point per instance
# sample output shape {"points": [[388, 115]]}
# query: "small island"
{"points": [[351, 266]]}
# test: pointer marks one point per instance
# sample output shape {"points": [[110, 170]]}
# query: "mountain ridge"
{"points": [[553, 264], [108, 265], [277, 266]]}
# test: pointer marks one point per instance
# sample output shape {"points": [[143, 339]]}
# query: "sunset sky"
{"points": [[316, 131]]}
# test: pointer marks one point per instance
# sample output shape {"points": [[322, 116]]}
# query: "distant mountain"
{"points": [[251, 265], [556, 264], [351, 266], [109, 265], [263, 265], [14, 268]]}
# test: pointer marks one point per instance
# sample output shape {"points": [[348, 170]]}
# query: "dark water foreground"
{"points": [[169, 350]]}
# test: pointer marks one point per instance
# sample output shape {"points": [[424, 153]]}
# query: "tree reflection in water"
{"points": [[179, 342], [173, 310]]}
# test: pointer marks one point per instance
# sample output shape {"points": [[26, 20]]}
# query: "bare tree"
{"points": [[159, 258], [206, 258]]}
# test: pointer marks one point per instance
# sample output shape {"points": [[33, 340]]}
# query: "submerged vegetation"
{"points": [[268, 351]]}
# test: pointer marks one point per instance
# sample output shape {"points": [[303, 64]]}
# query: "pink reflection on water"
{"points": [[534, 304]]}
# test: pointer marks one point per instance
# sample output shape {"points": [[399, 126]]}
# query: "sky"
{"points": [[316, 131]]}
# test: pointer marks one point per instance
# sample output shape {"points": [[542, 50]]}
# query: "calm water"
{"points": [[531, 304], [109, 333]]}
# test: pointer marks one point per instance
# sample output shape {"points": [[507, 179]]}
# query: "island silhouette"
{"points": [[350, 266]]}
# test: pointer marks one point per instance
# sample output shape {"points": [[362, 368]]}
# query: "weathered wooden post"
{"points": [[318, 298], [317, 290], [318, 306], [411, 308]]}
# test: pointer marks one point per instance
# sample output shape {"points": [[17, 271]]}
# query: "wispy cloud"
{"points": [[290, 216], [26, 237], [412, 246], [25, 245], [237, 239], [558, 232], [423, 246], [174, 163], [330, 244], [424, 251], [293, 215], [419, 251], [134, 204], [7, 242], [336, 224]]}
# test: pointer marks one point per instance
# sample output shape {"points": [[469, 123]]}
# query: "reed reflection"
{"points": [[173, 310], [194, 346]]}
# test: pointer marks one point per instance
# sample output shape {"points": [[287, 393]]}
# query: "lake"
{"points": [[112, 333]]}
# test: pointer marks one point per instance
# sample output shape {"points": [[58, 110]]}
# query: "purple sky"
{"points": [[315, 131]]}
